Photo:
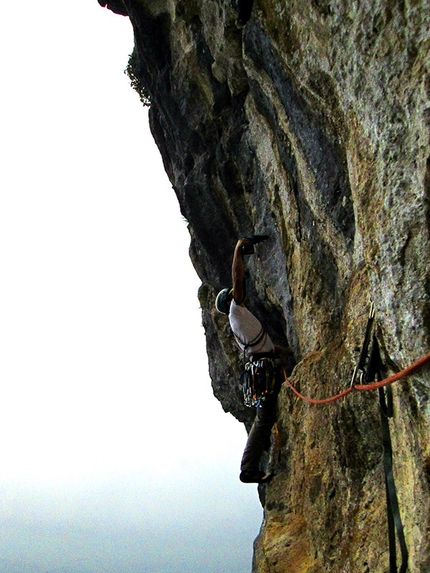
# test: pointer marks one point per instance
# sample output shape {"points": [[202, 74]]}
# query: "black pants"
{"points": [[259, 436]]}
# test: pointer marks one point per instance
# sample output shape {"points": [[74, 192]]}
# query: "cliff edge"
{"points": [[308, 121]]}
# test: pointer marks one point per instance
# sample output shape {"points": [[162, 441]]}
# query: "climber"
{"points": [[264, 364]]}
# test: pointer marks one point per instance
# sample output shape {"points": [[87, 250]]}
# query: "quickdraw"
{"points": [[359, 369]]}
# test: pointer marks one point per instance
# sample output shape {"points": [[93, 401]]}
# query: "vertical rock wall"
{"points": [[310, 123]]}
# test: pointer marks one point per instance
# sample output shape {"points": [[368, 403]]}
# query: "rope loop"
{"points": [[402, 375]]}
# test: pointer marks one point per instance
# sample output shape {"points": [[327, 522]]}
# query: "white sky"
{"points": [[108, 427]]}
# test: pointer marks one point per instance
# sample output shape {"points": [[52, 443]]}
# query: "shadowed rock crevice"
{"points": [[324, 156]]}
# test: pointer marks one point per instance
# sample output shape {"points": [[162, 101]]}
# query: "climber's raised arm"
{"points": [[238, 271]]}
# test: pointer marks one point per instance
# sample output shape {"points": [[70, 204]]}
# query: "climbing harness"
{"points": [[258, 381], [243, 346]]}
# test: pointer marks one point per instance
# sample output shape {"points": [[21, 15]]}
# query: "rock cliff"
{"points": [[308, 121]]}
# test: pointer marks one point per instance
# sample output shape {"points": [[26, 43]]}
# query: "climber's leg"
{"points": [[258, 441]]}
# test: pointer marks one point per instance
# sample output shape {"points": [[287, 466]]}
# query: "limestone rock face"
{"points": [[310, 123]]}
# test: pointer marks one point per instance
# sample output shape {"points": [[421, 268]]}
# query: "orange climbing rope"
{"points": [[313, 400], [403, 374]]}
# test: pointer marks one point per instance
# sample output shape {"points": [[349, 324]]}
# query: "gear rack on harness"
{"points": [[258, 381]]}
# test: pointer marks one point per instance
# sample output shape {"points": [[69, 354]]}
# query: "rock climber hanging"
{"points": [[262, 377]]}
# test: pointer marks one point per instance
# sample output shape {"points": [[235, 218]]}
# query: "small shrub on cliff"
{"points": [[136, 84]]}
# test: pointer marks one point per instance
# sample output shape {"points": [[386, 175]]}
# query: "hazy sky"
{"points": [[114, 455]]}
